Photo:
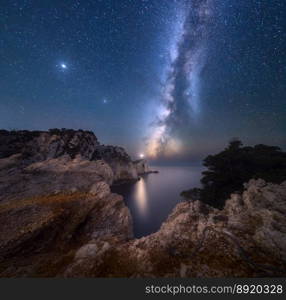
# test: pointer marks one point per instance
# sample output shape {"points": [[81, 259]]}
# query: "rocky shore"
{"points": [[245, 239], [58, 218]]}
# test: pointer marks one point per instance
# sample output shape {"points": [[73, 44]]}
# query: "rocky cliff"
{"points": [[59, 218], [245, 239], [55, 197], [41, 145], [35, 146], [142, 166]]}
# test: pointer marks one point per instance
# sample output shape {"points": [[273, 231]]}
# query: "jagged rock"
{"points": [[101, 189], [52, 176], [114, 211], [245, 239], [86, 251], [119, 161], [32, 224], [39, 236], [36, 146], [41, 145], [123, 171], [91, 253], [50, 205], [58, 218], [141, 166]]}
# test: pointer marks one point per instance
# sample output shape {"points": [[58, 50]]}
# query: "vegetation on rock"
{"points": [[235, 165]]}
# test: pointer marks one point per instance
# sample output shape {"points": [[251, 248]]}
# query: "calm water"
{"points": [[151, 199]]}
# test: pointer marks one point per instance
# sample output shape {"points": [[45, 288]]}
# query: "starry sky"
{"points": [[174, 80]]}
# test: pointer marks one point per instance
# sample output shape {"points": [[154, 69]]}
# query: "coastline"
{"points": [[60, 219]]}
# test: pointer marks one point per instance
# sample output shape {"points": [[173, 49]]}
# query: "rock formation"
{"points": [[245, 239], [41, 145], [54, 197], [141, 166], [59, 218], [38, 146], [49, 177]]}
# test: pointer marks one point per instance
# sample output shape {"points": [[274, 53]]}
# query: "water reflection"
{"points": [[141, 197], [152, 199]]}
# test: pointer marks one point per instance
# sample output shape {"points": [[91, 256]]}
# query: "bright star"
{"points": [[141, 155]]}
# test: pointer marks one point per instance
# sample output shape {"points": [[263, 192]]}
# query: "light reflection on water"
{"points": [[152, 198], [140, 196]]}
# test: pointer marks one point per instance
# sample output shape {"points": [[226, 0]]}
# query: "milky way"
{"points": [[181, 92], [173, 80]]}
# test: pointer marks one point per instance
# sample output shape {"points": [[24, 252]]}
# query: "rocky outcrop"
{"points": [[142, 166], [59, 218], [50, 208], [55, 197], [39, 236], [52, 176], [36, 146], [42, 145], [120, 162], [245, 239]]}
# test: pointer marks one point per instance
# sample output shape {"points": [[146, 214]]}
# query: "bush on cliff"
{"points": [[229, 169]]}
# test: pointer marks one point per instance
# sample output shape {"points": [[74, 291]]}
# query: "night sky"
{"points": [[174, 80]]}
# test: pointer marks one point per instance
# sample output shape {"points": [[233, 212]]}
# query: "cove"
{"points": [[153, 197]]}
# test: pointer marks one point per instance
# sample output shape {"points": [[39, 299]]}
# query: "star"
{"points": [[181, 76]]}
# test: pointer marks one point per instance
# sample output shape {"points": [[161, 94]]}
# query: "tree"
{"points": [[234, 144], [229, 169]]}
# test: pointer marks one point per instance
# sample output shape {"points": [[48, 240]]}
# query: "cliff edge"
{"points": [[55, 196], [245, 239], [59, 218], [36, 146]]}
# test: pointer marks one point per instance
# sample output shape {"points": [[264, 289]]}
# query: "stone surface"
{"points": [[58, 218], [245, 239], [41, 145], [141, 166], [36, 146], [119, 161], [40, 236], [52, 176], [54, 202]]}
